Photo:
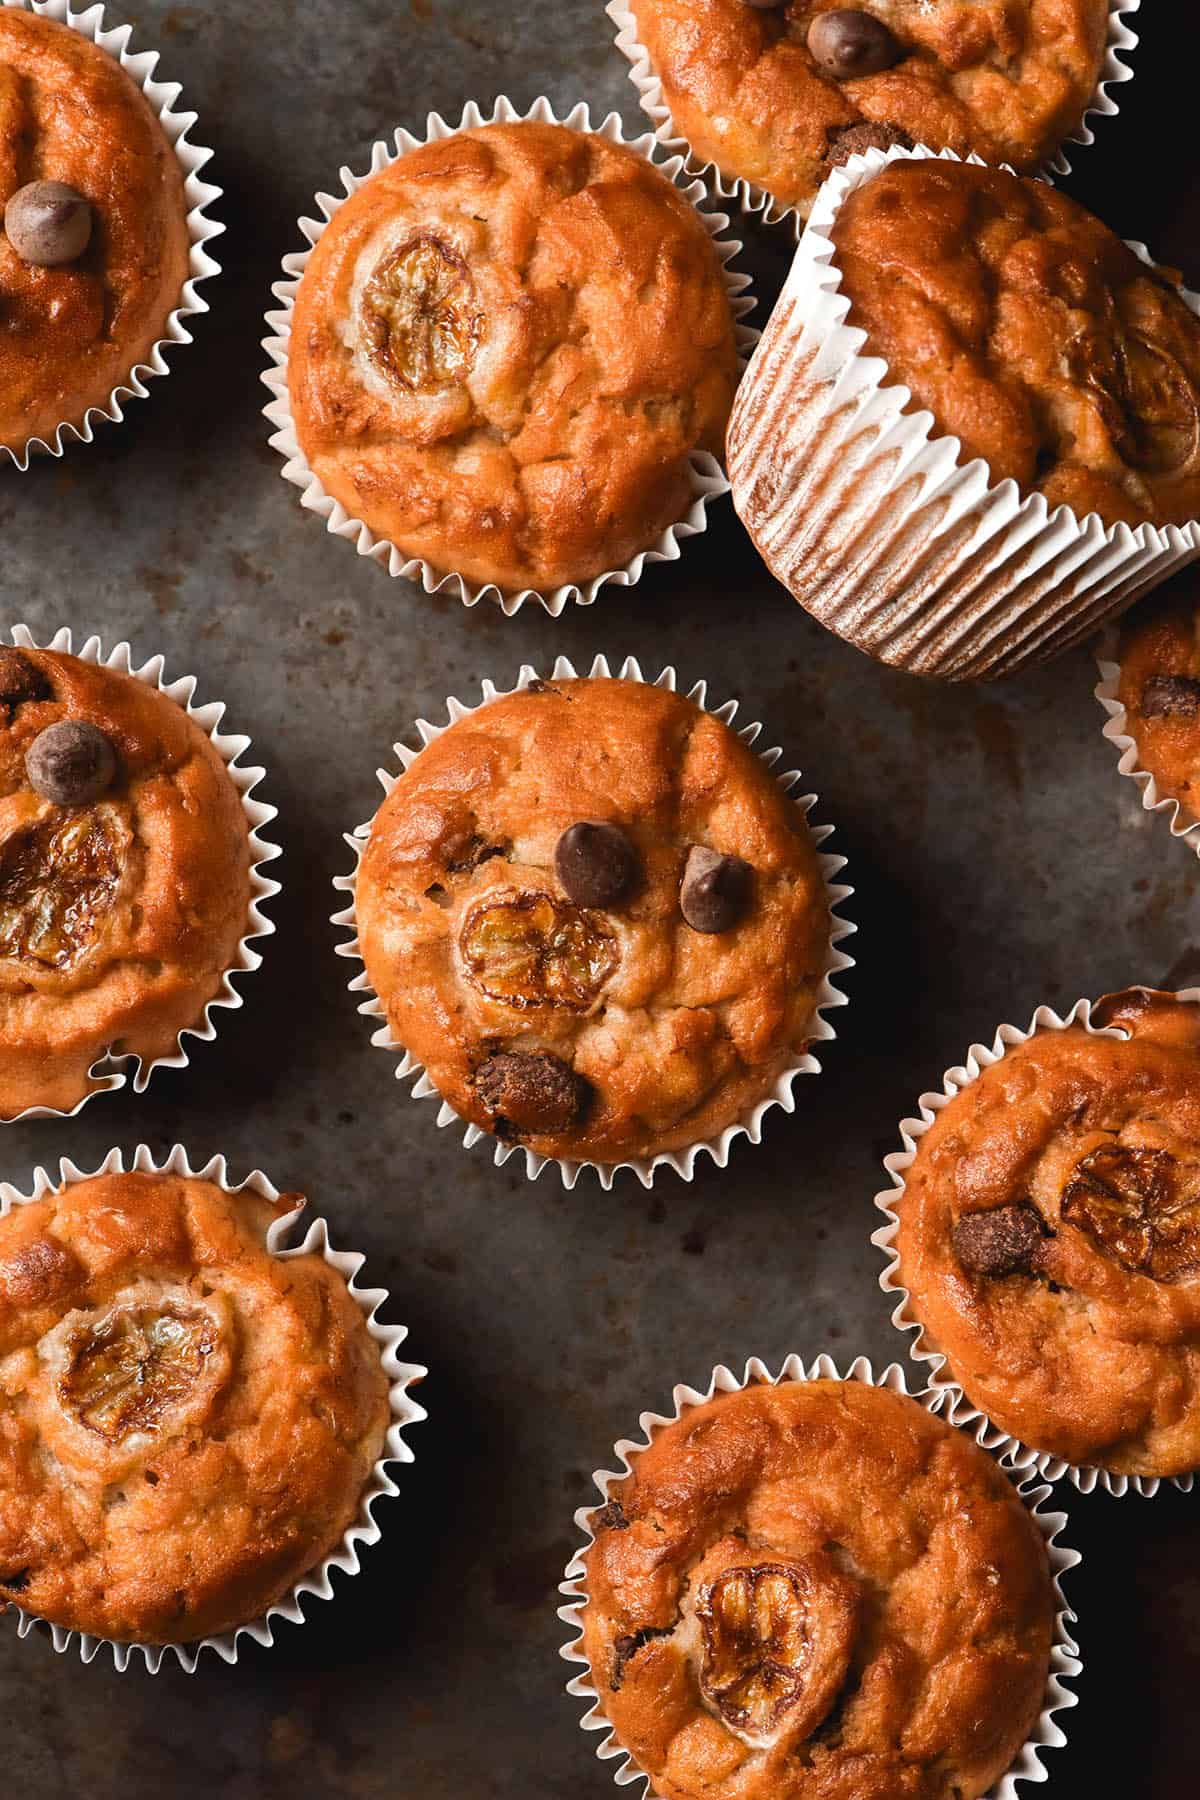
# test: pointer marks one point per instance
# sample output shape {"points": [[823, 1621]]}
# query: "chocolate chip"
{"points": [[71, 763], [20, 679], [531, 1091], [610, 1517], [17, 1582], [847, 43], [626, 1647], [48, 223], [1006, 1240], [856, 140], [716, 890], [1171, 697], [596, 863]]}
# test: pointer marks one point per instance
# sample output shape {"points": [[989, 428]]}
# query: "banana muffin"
{"points": [[187, 1422], [779, 94], [1159, 654], [1032, 334], [594, 916], [124, 874], [1049, 1238], [506, 347], [817, 1591], [94, 250]]}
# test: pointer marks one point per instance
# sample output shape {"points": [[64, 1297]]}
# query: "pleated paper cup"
{"points": [[111, 1072], [750, 1125], [877, 526], [1025, 1460], [318, 1582], [1107, 691], [757, 201], [706, 477], [163, 98], [1065, 1664]]}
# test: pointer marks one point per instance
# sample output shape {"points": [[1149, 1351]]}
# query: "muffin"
{"points": [[1049, 1238], [190, 1421], [779, 92], [506, 347], [124, 874], [1158, 650], [94, 251], [594, 916], [817, 1591]]}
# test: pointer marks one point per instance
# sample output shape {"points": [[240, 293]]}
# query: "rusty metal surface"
{"points": [[999, 862]]}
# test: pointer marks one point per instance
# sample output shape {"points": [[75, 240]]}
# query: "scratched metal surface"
{"points": [[998, 859]]}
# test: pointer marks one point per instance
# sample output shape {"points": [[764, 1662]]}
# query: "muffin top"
{"points": [[189, 1422], [1050, 1238], [780, 94], [1159, 654], [817, 1591], [1032, 334], [593, 915], [74, 330], [124, 873], [506, 346]]}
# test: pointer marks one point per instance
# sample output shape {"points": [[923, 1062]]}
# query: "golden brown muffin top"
{"points": [[817, 1591], [1032, 334], [187, 1423], [1050, 1238], [1007, 79], [118, 916], [1159, 654], [604, 1025], [505, 348], [70, 113]]}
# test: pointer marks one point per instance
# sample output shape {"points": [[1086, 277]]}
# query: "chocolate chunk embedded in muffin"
{"points": [[1159, 655]]}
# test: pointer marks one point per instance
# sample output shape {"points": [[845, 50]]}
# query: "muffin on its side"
{"points": [[1158, 650]]}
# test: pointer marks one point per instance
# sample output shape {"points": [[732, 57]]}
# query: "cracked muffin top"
{"points": [[187, 1422], [506, 347], [780, 94], [1159, 654], [593, 915], [1032, 334], [817, 1591], [124, 874], [94, 251], [1050, 1238]]}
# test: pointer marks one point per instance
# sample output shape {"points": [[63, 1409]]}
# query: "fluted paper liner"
{"points": [[318, 1582], [107, 1075], [1181, 822], [828, 996], [754, 199], [879, 528], [163, 98], [706, 476], [1064, 1655], [1025, 1460]]}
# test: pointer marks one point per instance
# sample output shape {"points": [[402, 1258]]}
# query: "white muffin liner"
{"points": [[1025, 1460], [163, 97], [683, 1162], [707, 478], [1065, 1664], [108, 1074], [875, 523], [405, 1411], [756, 200], [1181, 823]]}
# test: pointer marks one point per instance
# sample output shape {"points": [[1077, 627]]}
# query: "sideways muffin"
{"points": [[124, 874], [94, 251], [593, 915], [817, 1591], [1159, 686], [778, 94], [189, 1421], [505, 349], [1049, 1238]]}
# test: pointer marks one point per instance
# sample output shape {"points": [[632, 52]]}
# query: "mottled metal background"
{"points": [[999, 862]]}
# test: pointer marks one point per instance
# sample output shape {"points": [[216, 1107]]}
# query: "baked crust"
{"points": [[1093, 1353], [1159, 654], [69, 112], [1032, 334], [675, 1031], [1006, 79], [170, 1523], [912, 1663], [564, 343], [141, 957]]}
